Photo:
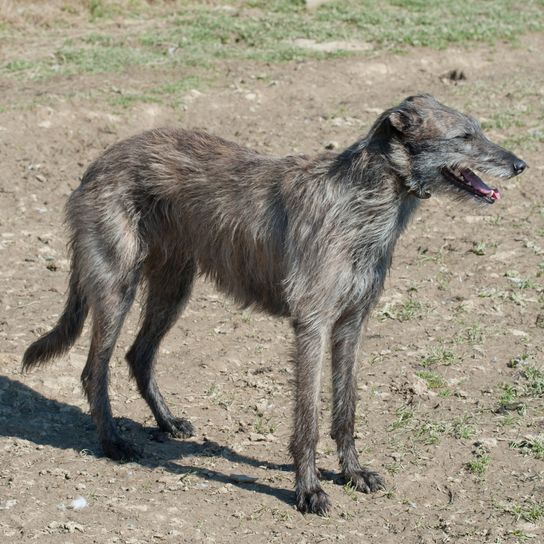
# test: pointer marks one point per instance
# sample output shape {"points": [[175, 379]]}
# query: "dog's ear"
{"points": [[405, 120]]}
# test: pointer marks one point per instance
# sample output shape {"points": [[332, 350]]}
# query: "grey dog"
{"points": [[306, 238]]}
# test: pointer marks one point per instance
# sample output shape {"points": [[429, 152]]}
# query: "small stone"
{"points": [[486, 443], [243, 478], [419, 387], [79, 503], [10, 503]]}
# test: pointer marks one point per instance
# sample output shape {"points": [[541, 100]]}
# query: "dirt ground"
{"points": [[451, 406]]}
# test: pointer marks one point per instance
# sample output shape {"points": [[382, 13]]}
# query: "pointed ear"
{"points": [[405, 120]]}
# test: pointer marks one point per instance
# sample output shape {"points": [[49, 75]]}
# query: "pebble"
{"points": [[79, 503], [486, 442], [243, 478]]}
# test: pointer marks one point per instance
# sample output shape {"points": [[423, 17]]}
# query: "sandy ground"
{"points": [[463, 300]]}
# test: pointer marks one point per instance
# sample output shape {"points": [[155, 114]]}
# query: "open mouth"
{"points": [[466, 179]]}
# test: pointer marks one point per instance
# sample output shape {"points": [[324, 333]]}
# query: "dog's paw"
{"points": [[315, 501], [179, 427], [364, 480], [119, 450]]}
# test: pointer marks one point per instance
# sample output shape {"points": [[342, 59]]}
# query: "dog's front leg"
{"points": [[309, 340], [346, 333]]}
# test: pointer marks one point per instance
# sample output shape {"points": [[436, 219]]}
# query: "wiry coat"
{"points": [[308, 238]]}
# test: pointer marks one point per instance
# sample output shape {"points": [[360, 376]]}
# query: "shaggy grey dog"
{"points": [[308, 238]]}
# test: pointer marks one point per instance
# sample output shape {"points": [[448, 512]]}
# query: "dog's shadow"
{"points": [[26, 414]]}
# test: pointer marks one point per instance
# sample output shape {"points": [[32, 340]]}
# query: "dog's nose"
{"points": [[519, 166]]}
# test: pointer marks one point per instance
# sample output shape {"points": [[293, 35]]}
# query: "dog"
{"points": [[309, 238]]}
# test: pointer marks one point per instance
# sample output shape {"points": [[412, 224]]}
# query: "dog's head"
{"points": [[436, 148]]}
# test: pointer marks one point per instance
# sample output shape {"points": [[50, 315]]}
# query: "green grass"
{"points": [[461, 429], [264, 425], [518, 281], [502, 120], [479, 464], [186, 34], [531, 446], [474, 334], [432, 379], [351, 491], [525, 391], [528, 140], [529, 511], [128, 99], [218, 397], [404, 417], [430, 432], [439, 355], [478, 248], [409, 309], [534, 377], [175, 89]]}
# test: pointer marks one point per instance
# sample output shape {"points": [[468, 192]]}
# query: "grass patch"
{"points": [[351, 491], [479, 464], [218, 397], [503, 120], [516, 398], [518, 281], [474, 334], [439, 355], [461, 429], [508, 400], [432, 379], [430, 432], [264, 425], [404, 417], [532, 446], [478, 248], [175, 89], [529, 140], [128, 99], [205, 34], [95, 59], [534, 377], [529, 511], [529, 385], [409, 309]]}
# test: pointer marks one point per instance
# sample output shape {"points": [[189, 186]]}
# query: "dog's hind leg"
{"points": [[168, 289], [109, 309], [345, 339], [309, 340]]}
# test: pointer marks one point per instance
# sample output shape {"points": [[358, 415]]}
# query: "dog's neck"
{"points": [[378, 179]]}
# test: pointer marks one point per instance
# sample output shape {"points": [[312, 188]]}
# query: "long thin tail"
{"points": [[61, 338]]}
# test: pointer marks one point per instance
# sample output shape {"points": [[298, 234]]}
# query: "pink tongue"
{"points": [[476, 183]]}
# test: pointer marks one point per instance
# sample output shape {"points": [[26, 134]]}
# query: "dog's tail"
{"points": [[63, 335]]}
